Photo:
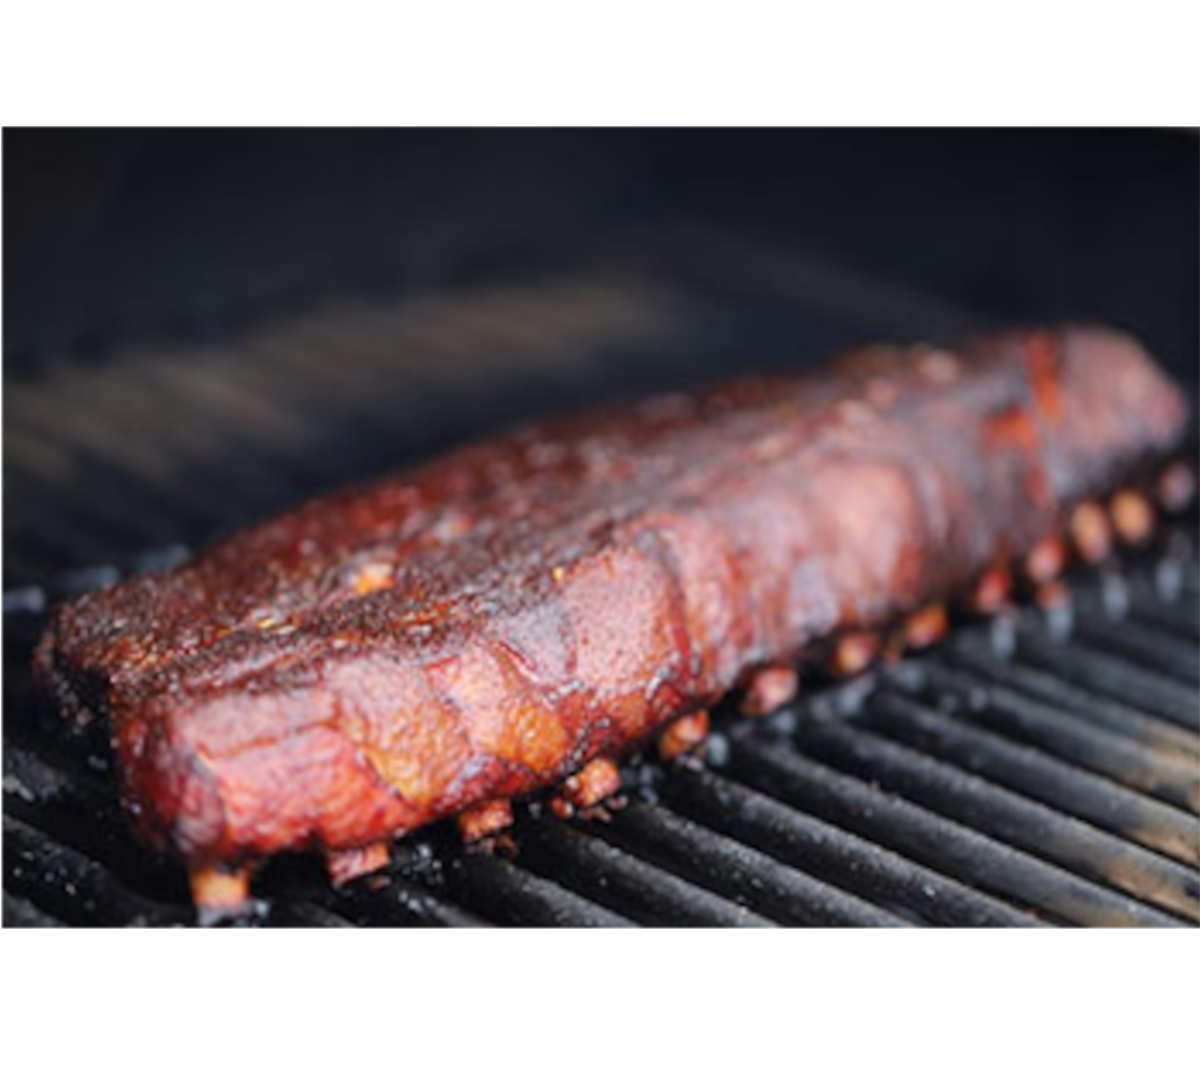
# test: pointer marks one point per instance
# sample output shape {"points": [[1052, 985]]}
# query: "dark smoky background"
{"points": [[109, 233], [203, 326]]}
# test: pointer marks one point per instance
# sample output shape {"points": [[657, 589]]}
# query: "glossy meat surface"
{"points": [[484, 625]]}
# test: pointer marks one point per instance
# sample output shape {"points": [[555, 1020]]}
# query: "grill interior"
{"points": [[1044, 768]]}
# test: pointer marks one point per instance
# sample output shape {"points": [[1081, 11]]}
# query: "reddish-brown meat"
{"points": [[488, 624]]}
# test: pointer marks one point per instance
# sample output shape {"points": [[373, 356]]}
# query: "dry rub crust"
{"points": [[486, 625]]}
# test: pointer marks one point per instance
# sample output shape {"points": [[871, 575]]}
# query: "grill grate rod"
{"points": [[1158, 650], [1169, 774], [1006, 816], [18, 911], [971, 655], [511, 895], [297, 912], [639, 890], [923, 835], [825, 849], [747, 876], [72, 886], [396, 900], [1034, 773], [1113, 676]]}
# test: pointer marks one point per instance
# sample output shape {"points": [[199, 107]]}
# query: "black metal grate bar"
{"points": [[831, 852], [21, 912], [934, 840], [1170, 774], [639, 890], [1157, 650], [972, 655], [1114, 677], [742, 873], [297, 912], [398, 901], [513, 896], [1032, 772], [1005, 816], [72, 886]]}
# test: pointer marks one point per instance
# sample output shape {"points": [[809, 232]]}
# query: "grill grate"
{"points": [[1041, 770], [1046, 775]]}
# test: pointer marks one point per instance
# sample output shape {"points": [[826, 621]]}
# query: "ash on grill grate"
{"points": [[1056, 783]]}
